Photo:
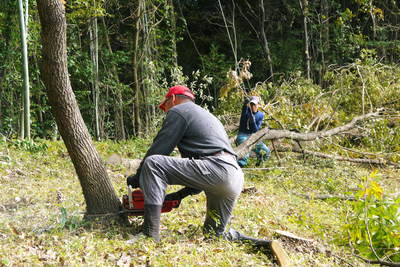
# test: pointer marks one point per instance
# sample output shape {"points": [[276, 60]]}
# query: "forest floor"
{"points": [[41, 210]]}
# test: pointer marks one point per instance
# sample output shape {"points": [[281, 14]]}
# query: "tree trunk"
{"points": [[324, 38], [118, 108], [307, 58], [173, 27], [97, 189], [21, 123], [147, 21], [136, 81], [94, 54], [26, 111], [265, 44], [373, 19]]}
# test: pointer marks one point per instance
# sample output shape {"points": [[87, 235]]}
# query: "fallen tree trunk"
{"points": [[269, 134]]}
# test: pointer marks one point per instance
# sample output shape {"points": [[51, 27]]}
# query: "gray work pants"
{"points": [[219, 177]]}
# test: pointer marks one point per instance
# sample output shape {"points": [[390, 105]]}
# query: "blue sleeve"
{"points": [[259, 116]]}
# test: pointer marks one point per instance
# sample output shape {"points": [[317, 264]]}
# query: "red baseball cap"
{"points": [[177, 90]]}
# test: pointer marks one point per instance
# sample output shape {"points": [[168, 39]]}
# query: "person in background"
{"points": [[250, 122]]}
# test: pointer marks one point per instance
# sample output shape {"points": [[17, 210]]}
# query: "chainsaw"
{"points": [[133, 203]]}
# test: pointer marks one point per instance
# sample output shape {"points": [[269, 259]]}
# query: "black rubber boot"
{"points": [[151, 224]]}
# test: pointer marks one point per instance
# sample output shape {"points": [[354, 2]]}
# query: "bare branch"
{"points": [[327, 196], [339, 158], [385, 263]]}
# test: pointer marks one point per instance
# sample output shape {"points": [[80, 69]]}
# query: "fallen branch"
{"points": [[339, 158], [327, 196], [380, 262], [263, 169], [231, 128], [359, 152], [270, 134]]}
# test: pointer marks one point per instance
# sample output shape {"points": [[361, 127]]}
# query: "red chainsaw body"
{"points": [[136, 205]]}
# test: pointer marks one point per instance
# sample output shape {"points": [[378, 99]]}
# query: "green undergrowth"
{"points": [[41, 210]]}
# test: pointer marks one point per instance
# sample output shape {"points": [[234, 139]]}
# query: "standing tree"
{"points": [[135, 65], [117, 92], [94, 54], [264, 43], [26, 133], [307, 59], [97, 189]]}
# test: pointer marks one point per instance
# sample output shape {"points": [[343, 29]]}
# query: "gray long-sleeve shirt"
{"points": [[194, 130]]}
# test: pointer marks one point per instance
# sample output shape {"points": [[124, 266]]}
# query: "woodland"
{"points": [[80, 84]]}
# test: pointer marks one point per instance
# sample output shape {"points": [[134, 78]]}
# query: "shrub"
{"points": [[374, 223]]}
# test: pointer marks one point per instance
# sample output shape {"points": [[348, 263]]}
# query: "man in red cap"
{"points": [[179, 90], [208, 163]]}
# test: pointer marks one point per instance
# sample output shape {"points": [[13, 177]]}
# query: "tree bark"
{"points": [[97, 189]]}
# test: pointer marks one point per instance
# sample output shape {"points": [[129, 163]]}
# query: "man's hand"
{"points": [[173, 196], [133, 180]]}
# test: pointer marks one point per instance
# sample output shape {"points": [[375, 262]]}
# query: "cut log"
{"points": [[131, 165], [292, 236]]}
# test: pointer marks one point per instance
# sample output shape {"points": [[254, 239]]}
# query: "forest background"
{"points": [[316, 64], [122, 55]]}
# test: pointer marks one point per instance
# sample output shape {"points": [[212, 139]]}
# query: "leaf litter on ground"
{"points": [[41, 208]]}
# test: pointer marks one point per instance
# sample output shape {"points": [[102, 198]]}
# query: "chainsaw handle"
{"points": [[181, 194]]}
